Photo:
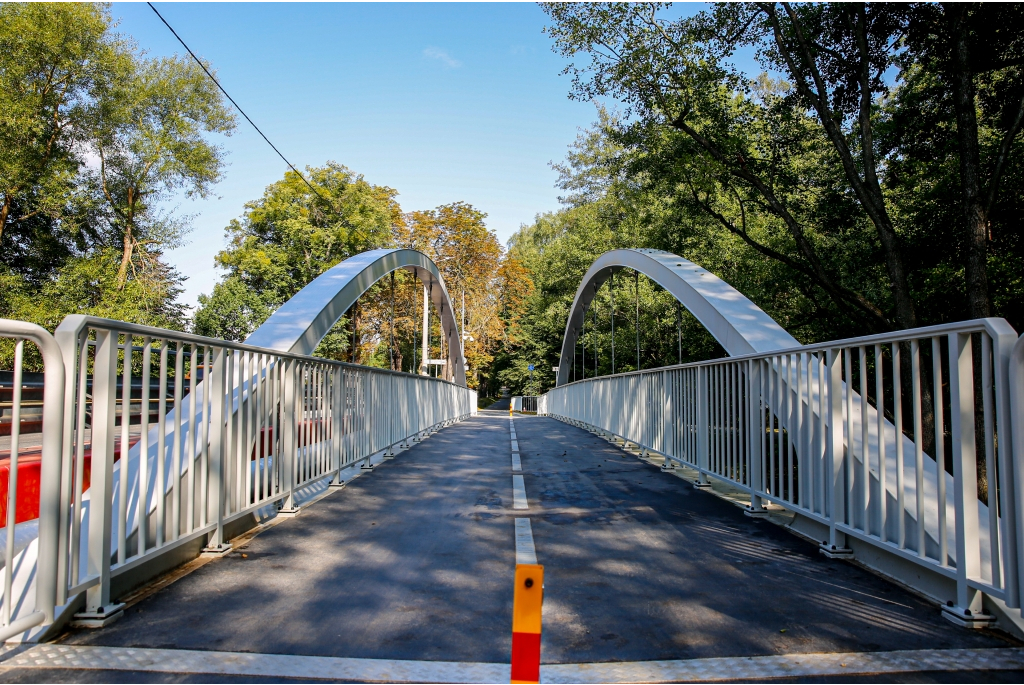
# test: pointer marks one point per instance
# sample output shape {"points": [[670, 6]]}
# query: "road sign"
{"points": [[530, 367]]}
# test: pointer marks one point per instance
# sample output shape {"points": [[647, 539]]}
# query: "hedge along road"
{"points": [[415, 560]]}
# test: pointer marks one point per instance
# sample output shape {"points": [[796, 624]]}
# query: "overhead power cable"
{"points": [[240, 110]]}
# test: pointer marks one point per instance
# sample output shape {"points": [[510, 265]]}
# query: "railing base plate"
{"points": [[701, 486], [967, 619], [289, 513], [98, 619], [759, 513], [833, 552], [337, 486], [213, 551]]}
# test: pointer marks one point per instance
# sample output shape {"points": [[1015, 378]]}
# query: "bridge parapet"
{"points": [[238, 429], [845, 434]]}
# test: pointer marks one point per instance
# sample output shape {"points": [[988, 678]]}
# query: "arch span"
{"points": [[738, 324], [301, 323]]}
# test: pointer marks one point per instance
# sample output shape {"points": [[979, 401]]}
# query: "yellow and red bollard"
{"points": [[526, 608]]}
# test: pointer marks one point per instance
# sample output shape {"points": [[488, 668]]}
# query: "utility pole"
{"points": [[637, 281], [679, 330], [391, 324], [611, 288], [355, 332], [424, 367]]}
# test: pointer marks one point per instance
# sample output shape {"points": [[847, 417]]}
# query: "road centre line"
{"points": [[519, 493], [760, 668], [526, 553], [517, 465], [515, 445]]}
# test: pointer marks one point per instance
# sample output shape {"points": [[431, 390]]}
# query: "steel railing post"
{"points": [[965, 476], [98, 607], [754, 408], [1015, 422], [835, 457], [702, 426], [290, 434], [219, 415], [337, 397]]}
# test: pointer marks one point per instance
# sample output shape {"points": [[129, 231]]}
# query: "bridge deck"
{"points": [[414, 562]]}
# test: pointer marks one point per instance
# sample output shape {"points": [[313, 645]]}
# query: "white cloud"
{"points": [[443, 57]]}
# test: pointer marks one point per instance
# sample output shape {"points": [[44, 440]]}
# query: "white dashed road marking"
{"points": [[517, 465], [519, 493], [525, 551]]}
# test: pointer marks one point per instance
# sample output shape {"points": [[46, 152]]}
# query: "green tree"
{"points": [[810, 153], [151, 140], [290, 236], [55, 60]]}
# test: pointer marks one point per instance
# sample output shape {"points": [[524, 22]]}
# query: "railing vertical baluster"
{"points": [[897, 407], [12, 479], [206, 437], [822, 447], [915, 362], [289, 418], [835, 456], [218, 445], [865, 465], [965, 477], [940, 444], [160, 491], [992, 478], [179, 370], [146, 378], [882, 505], [190, 457], [702, 424], [100, 515], [122, 470]]}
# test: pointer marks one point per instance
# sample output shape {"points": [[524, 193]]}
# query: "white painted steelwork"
{"points": [[525, 403], [38, 587], [303, 321], [734, 321], [785, 427], [250, 426], [231, 428]]}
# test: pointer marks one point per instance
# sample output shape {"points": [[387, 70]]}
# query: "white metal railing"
{"points": [[236, 428], [39, 588], [525, 403], [845, 433]]}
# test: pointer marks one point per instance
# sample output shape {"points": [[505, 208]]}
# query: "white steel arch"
{"points": [[299, 325], [738, 324]]}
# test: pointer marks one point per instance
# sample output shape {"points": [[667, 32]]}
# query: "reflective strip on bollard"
{"points": [[526, 615]]}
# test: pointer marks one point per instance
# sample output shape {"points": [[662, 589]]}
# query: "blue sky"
{"points": [[442, 102]]}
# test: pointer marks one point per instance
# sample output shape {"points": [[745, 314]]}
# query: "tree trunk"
{"points": [[975, 216], [126, 258], [5, 211]]}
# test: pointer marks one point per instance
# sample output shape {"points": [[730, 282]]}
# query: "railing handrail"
{"points": [[808, 428], [994, 326], [49, 493], [75, 323], [322, 432]]}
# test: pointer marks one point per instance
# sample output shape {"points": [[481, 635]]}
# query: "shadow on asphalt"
{"points": [[415, 561]]}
